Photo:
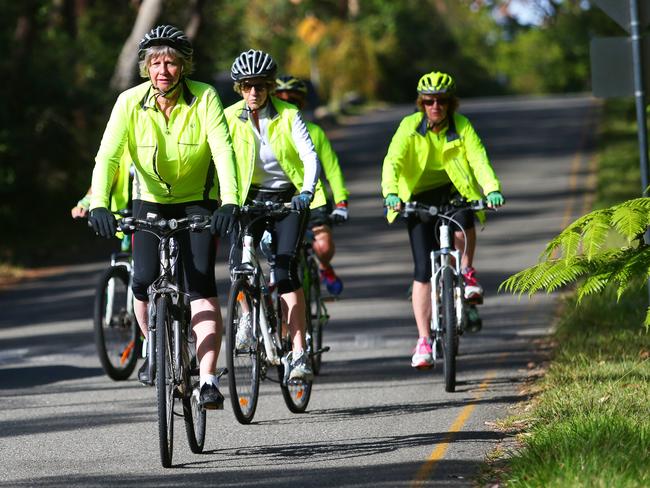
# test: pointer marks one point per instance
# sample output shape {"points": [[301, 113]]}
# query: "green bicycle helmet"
{"points": [[435, 83], [166, 35], [290, 83]]}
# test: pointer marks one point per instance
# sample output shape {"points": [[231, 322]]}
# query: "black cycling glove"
{"points": [[103, 222], [224, 219]]}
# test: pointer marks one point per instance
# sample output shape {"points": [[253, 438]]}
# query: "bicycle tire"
{"points": [[116, 337], [449, 329], [165, 380], [296, 394], [193, 413], [243, 365], [315, 315]]}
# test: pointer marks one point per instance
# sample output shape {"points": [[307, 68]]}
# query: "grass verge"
{"points": [[588, 424]]}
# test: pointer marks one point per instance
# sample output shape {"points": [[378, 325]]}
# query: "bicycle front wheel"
{"points": [[296, 393], [165, 380], [115, 327], [193, 413], [449, 329], [243, 357]]}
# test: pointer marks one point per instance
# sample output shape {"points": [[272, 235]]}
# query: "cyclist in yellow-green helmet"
{"points": [[294, 90], [435, 155]]}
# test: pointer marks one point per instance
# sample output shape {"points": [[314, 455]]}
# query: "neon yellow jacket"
{"points": [[173, 160], [464, 159], [279, 129], [329, 162]]}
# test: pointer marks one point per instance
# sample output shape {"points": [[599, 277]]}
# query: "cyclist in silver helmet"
{"points": [[276, 161], [175, 133]]}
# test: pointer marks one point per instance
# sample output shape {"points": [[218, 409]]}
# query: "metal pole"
{"points": [[639, 99], [639, 94]]}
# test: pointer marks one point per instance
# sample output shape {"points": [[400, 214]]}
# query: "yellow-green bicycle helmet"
{"points": [[435, 83], [290, 83]]}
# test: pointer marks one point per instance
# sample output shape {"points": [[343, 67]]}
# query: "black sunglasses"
{"points": [[431, 101], [258, 87]]}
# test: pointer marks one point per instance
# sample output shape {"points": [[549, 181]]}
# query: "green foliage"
{"points": [[590, 423], [583, 257]]}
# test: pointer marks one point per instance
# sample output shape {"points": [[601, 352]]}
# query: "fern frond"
{"points": [[567, 234], [521, 282], [592, 285], [634, 267], [595, 233], [646, 322], [641, 202], [562, 273], [630, 221]]}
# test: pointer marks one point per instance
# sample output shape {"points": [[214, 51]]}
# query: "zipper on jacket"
{"points": [[155, 170]]}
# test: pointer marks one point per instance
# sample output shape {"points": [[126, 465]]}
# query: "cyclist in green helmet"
{"points": [[434, 155], [294, 90], [175, 132]]}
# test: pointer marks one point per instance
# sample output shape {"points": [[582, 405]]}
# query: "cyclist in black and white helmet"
{"points": [[174, 132], [276, 161]]}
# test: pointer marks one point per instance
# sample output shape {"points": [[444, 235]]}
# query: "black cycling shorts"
{"points": [[197, 249], [422, 232]]}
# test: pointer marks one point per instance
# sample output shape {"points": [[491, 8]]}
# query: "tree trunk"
{"points": [[126, 69], [194, 22]]}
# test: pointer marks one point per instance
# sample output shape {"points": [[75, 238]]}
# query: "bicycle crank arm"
{"points": [[320, 351]]}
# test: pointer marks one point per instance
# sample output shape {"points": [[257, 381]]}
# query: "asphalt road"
{"points": [[373, 421]]}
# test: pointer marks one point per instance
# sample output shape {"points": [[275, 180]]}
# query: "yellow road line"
{"points": [[424, 473]]}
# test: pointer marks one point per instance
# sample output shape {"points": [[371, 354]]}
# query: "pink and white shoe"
{"points": [[422, 354]]}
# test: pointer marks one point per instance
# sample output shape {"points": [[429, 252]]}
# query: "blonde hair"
{"points": [[155, 51]]}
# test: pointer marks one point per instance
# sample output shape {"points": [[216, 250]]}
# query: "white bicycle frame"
{"points": [[111, 291], [446, 257], [249, 257]]}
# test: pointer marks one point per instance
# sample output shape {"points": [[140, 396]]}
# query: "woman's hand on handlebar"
{"points": [[393, 202], [495, 199]]}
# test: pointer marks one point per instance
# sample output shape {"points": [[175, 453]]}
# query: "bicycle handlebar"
{"points": [[195, 223], [411, 208]]}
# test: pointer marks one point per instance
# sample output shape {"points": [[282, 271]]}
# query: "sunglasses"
{"points": [[430, 101], [246, 87]]}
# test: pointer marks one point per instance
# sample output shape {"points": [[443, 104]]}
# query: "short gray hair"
{"points": [[156, 51]]}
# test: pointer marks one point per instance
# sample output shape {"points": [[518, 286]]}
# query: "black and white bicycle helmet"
{"points": [[166, 35], [253, 64]]}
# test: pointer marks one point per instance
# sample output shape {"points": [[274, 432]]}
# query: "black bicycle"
{"points": [[171, 347], [254, 304]]}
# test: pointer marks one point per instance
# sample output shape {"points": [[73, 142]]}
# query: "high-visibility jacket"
{"points": [[329, 162], [281, 116], [188, 158], [464, 159]]}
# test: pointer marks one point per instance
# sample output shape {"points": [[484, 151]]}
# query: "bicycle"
{"points": [[254, 302], [117, 335], [449, 308], [170, 346], [317, 314]]}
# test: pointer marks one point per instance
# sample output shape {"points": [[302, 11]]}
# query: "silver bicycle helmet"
{"points": [[166, 35], [253, 64]]}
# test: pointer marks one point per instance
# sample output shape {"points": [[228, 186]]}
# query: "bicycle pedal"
{"points": [[321, 351], [475, 300]]}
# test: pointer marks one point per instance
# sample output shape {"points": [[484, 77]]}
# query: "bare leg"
{"points": [[422, 307], [140, 310], [323, 245], [208, 329], [293, 307], [459, 243]]}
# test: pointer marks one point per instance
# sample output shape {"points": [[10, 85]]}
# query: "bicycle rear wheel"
{"points": [[449, 329], [193, 413], [243, 363], [165, 380], [116, 330], [315, 315]]}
